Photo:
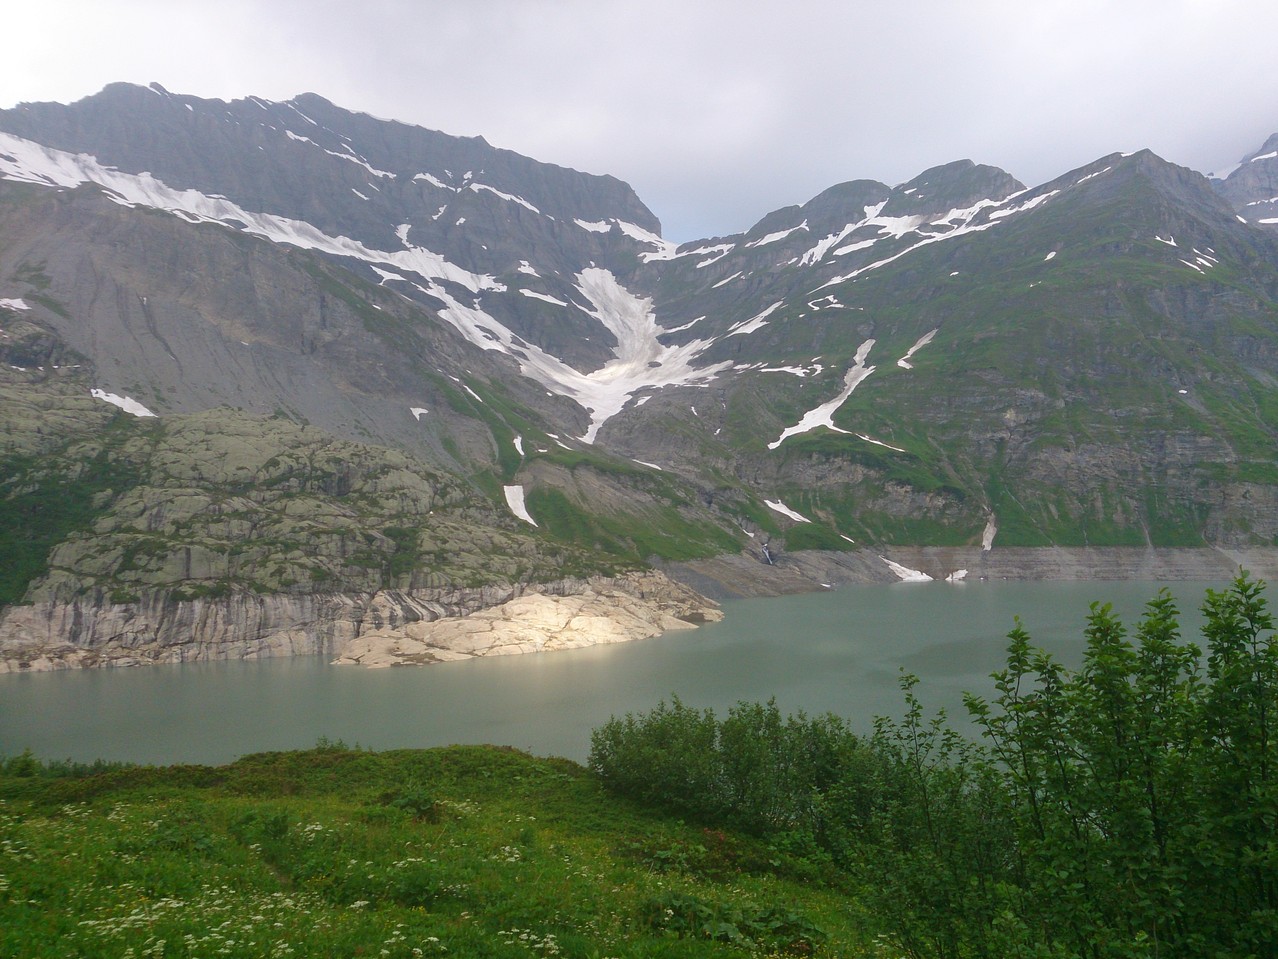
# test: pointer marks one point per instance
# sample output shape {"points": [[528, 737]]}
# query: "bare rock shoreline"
{"points": [[400, 627], [391, 627], [737, 577]]}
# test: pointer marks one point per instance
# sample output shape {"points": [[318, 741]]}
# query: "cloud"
{"points": [[716, 112]]}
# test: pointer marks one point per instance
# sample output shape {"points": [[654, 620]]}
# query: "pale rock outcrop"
{"points": [[606, 611]]}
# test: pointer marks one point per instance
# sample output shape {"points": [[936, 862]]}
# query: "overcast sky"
{"points": [[715, 111]]}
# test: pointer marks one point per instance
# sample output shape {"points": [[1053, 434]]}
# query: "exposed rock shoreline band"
{"points": [[394, 627]]}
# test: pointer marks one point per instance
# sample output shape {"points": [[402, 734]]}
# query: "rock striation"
{"points": [[388, 627]]}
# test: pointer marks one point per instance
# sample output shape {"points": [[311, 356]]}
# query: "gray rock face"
{"points": [[1252, 188], [309, 160], [737, 577]]}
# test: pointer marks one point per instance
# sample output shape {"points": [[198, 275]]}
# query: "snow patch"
{"points": [[924, 340], [641, 360], [965, 225], [476, 187], [29, 162], [665, 249], [987, 537], [799, 371], [858, 245], [1090, 175], [726, 280], [957, 576], [418, 411], [125, 403], [14, 303], [905, 574], [823, 415], [688, 325], [526, 267], [830, 302], [385, 274], [784, 510], [717, 253], [818, 252], [755, 322], [543, 296], [519, 445], [862, 436], [515, 500], [435, 181], [779, 235], [1050, 256]]}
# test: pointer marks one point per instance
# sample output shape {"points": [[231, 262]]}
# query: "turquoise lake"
{"points": [[840, 651]]}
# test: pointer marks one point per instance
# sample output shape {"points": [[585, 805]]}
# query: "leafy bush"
{"points": [[775, 928], [416, 800], [754, 770], [1145, 785]]}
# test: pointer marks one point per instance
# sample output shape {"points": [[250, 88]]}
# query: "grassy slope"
{"points": [[465, 851]]}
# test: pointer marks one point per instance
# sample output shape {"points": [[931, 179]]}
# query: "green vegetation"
{"points": [[40, 508], [815, 536], [632, 538], [627, 512], [468, 852]]}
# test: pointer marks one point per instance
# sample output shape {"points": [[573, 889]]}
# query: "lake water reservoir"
{"points": [[839, 651]]}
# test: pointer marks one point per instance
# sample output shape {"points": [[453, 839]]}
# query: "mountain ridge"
{"points": [[959, 360]]}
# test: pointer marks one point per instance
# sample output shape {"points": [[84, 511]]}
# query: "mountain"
{"points": [[1252, 186], [955, 361]]}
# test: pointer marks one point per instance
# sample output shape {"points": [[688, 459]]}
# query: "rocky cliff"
{"points": [[388, 627]]}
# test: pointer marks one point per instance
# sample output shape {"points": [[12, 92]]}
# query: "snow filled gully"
{"points": [[823, 415]]}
